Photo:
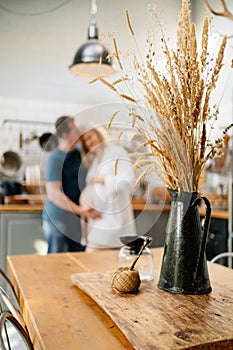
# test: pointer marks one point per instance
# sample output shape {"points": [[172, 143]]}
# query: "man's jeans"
{"points": [[59, 242]]}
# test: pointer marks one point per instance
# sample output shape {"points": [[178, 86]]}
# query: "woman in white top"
{"points": [[110, 182]]}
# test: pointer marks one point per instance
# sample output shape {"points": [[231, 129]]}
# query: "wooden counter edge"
{"points": [[218, 214], [29, 208]]}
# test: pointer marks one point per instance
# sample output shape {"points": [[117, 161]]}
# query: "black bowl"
{"points": [[135, 241]]}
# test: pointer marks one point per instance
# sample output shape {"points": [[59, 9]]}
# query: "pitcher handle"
{"points": [[205, 232]]}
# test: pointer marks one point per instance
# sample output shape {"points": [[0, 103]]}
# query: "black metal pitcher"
{"points": [[184, 266]]}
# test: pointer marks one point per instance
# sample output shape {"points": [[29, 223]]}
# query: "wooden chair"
{"points": [[12, 334], [223, 255]]}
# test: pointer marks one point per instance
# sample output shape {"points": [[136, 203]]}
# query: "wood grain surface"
{"points": [[154, 319], [61, 316]]}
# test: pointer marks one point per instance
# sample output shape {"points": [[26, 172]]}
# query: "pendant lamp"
{"points": [[92, 59]]}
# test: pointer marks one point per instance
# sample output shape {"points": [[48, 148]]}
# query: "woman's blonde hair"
{"points": [[88, 156]]}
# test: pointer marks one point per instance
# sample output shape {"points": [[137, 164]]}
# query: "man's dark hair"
{"points": [[62, 126]]}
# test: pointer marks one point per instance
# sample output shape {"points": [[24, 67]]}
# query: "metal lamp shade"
{"points": [[92, 61]]}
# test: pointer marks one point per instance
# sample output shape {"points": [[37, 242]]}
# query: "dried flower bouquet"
{"points": [[174, 118]]}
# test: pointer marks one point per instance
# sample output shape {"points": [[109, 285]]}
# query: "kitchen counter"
{"points": [[220, 214], [23, 208], [137, 206], [216, 213], [21, 230]]}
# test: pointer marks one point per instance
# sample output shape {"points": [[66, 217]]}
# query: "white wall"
{"points": [[220, 26], [35, 83], [37, 50]]}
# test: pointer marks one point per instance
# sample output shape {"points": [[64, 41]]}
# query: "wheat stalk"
{"points": [[175, 109]]}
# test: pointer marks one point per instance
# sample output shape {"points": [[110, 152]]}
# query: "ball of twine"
{"points": [[125, 280]]}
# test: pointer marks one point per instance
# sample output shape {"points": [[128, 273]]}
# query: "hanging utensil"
{"points": [[48, 141], [20, 140], [10, 161]]}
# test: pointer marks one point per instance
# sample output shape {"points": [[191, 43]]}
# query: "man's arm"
{"points": [[58, 197]]}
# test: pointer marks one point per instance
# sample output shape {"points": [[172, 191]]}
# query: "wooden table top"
{"points": [[60, 316]]}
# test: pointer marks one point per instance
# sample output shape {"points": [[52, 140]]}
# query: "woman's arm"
{"points": [[57, 196]]}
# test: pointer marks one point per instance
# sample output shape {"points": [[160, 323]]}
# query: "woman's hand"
{"points": [[89, 213]]}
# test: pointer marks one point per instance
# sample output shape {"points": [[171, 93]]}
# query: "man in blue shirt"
{"points": [[65, 179]]}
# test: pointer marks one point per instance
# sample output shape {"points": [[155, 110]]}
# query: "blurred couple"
{"points": [[95, 184]]}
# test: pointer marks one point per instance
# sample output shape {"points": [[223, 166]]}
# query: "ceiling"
{"points": [[36, 50], [40, 38]]}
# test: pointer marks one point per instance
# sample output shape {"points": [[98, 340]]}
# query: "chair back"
{"points": [[7, 285], [7, 305], [222, 255], [12, 334]]}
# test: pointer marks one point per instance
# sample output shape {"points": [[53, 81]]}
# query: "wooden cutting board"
{"points": [[153, 319]]}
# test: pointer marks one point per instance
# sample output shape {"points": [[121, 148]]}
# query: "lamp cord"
{"points": [[16, 13], [93, 12], [93, 8]]}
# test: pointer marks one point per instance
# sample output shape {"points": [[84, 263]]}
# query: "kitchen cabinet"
{"points": [[21, 229], [217, 239], [20, 233]]}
